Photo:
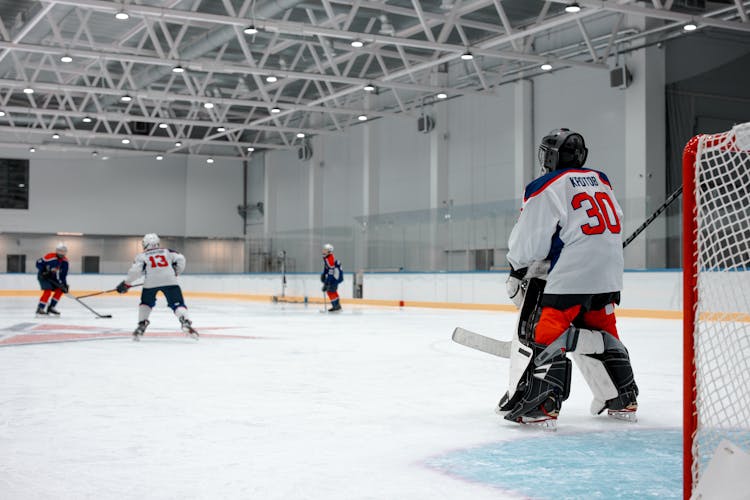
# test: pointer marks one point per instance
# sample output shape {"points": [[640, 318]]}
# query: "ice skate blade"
{"points": [[136, 338], [548, 424], [624, 415]]}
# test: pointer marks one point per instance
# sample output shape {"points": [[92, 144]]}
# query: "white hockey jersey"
{"points": [[160, 266], [571, 218]]}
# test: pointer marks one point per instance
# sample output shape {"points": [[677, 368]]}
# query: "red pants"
{"points": [[333, 296], [553, 322], [46, 293]]}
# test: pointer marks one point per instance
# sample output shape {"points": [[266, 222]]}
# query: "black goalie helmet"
{"points": [[562, 148]]}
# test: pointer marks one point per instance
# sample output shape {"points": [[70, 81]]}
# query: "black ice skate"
{"points": [[187, 327], [336, 308], [40, 311], [138, 332], [52, 311]]}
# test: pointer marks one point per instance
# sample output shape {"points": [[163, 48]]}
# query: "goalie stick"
{"points": [[500, 348]]}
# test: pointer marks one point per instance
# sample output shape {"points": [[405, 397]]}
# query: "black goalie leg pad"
{"points": [[542, 390], [617, 364]]}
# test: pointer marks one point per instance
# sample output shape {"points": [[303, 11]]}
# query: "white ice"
{"points": [[312, 406]]}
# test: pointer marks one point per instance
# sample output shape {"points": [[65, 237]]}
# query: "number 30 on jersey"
{"points": [[599, 207]]}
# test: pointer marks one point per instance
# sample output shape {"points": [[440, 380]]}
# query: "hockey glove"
{"points": [[45, 274], [515, 285], [122, 287], [64, 287], [325, 287]]}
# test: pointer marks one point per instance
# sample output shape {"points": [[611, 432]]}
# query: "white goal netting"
{"points": [[721, 319]]}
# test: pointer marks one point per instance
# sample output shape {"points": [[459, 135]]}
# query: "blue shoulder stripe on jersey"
{"points": [[540, 184]]}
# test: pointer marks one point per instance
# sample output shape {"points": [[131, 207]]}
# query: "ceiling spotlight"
{"points": [[87, 119], [250, 30], [467, 56], [125, 141], [178, 69], [208, 105], [32, 149], [66, 59], [2, 113], [545, 67], [357, 44], [300, 135], [362, 118], [105, 157], [369, 88], [275, 110], [126, 98], [221, 129], [177, 144], [250, 149], [95, 153], [55, 136], [572, 8], [209, 160], [159, 157], [271, 79], [28, 90], [442, 95], [163, 125], [691, 26], [122, 15]]}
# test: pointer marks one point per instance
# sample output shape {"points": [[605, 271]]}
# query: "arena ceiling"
{"points": [[229, 77]]}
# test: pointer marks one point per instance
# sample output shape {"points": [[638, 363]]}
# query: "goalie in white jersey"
{"points": [[160, 267], [569, 233]]}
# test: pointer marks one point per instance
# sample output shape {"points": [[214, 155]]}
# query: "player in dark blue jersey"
{"points": [[52, 273]]}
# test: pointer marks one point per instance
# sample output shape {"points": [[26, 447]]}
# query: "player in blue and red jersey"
{"points": [[52, 273], [567, 249], [332, 276]]}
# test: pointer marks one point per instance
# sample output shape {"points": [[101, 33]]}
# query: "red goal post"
{"points": [[716, 297]]}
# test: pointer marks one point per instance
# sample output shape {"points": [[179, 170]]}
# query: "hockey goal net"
{"points": [[716, 280]]}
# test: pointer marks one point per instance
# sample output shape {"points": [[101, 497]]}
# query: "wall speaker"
{"points": [[620, 77]]}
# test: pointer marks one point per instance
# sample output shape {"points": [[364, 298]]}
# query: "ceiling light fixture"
{"points": [[163, 125], [177, 144], [87, 119], [250, 149], [357, 44], [208, 105], [572, 8], [32, 149], [300, 135], [95, 154], [275, 110], [125, 141], [121, 15], [271, 79], [250, 30], [467, 56], [178, 69], [105, 157], [545, 67], [209, 160], [691, 26], [55, 136], [126, 98], [2, 113], [159, 157], [369, 88], [28, 90], [442, 95], [221, 129], [66, 59], [362, 118]]}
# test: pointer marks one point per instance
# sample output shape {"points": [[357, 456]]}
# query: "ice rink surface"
{"points": [[279, 401]]}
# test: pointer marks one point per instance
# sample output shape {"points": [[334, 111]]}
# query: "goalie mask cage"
{"points": [[716, 293]]}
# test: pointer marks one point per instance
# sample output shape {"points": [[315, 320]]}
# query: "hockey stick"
{"points": [[87, 307], [501, 348], [325, 303], [105, 291]]}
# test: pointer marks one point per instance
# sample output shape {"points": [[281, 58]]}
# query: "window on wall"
{"points": [[16, 263], [90, 264], [14, 183]]}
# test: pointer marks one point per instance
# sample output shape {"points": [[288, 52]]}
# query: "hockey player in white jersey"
{"points": [[569, 234], [160, 267]]}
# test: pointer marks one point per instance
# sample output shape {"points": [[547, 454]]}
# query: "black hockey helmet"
{"points": [[562, 148]]}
